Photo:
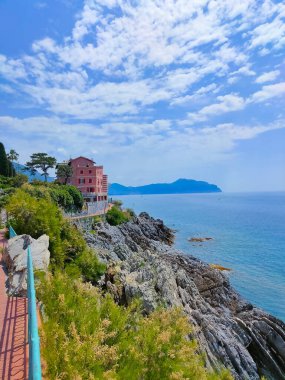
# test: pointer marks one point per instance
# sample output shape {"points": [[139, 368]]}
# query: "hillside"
{"points": [[181, 186]]}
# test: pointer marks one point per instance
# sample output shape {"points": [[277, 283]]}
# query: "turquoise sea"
{"points": [[248, 231]]}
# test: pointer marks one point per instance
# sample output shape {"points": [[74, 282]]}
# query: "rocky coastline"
{"points": [[142, 262]]}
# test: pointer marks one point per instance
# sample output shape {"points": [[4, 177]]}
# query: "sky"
{"points": [[154, 90]]}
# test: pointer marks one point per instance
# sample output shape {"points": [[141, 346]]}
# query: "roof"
{"points": [[85, 158]]}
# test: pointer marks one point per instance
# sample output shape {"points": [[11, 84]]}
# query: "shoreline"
{"points": [[247, 232], [142, 263]]}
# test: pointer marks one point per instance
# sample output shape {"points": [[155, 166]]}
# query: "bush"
{"points": [[115, 216], [88, 336], [130, 212], [68, 197], [17, 181], [117, 203], [35, 217]]}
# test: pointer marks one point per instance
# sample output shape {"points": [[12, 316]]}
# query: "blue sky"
{"points": [[155, 90]]}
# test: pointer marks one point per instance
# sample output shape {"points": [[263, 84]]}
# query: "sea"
{"points": [[247, 231]]}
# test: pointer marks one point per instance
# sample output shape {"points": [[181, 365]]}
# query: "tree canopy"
{"points": [[4, 162], [6, 166], [12, 155], [41, 161], [64, 171]]}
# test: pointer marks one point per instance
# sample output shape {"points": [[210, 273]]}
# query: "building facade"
{"points": [[89, 178]]}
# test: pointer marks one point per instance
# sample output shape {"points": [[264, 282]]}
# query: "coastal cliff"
{"points": [[142, 263]]}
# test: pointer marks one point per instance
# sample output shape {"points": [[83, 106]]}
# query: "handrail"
{"points": [[12, 232], [35, 371], [34, 340]]}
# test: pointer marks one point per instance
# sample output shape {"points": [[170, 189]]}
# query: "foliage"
{"points": [[12, 155], [36, 215], [130, 212], [6, 166], [65, 196], [97, 219], [8, 185], [117, 203], [64, 171], [9, 182], [88, 336], [41, 161], [116, 216], [76, 196]]}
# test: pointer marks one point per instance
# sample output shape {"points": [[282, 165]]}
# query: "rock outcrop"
{"points": [[142, 263], [15, 259]]}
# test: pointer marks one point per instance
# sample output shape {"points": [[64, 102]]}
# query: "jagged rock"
{"points": [[15, 259], [199, 239], [230, 330]]}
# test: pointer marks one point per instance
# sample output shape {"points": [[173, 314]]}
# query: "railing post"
{"points": [[35, 372]]}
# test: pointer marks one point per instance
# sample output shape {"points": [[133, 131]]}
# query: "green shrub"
{"points": [[38, 216], [67, 197], [115, 216], [130, 212], [117, 203], [35, 217], [86, 335]]}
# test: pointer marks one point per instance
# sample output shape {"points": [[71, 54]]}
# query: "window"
{"points": [[90, 171], [90, 180], [81, 180], [81, 171]]}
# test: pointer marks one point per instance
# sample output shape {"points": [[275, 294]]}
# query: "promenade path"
{"points": [[14, 352]]}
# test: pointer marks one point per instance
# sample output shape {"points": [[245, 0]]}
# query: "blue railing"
{"points": [[35, 372], [12, 233]]}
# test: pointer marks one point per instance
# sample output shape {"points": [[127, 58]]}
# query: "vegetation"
{"points": [[68, 197], [36, 214], [41, 161], [8, 185], [116, 216], [12, 155], [64, 171], [6, 166], [86, 335]]}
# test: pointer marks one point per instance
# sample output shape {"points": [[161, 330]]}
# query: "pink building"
{"points": [[89, 179]]}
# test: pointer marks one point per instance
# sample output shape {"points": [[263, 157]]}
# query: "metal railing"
{"points": [[35, 371]]}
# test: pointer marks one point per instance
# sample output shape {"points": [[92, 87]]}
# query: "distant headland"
{"points": [[181, 186]]}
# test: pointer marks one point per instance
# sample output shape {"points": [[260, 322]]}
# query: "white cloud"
{"points": [[111, 82], [268, 92], [137, 54], [227, 103], [268, 77], [269, 33], [110, 140]]}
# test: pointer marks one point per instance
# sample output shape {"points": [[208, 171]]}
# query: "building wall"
{"points": [[89, 179]]}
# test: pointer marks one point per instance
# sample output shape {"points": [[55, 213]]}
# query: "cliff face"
{"points": [[142, 263]]}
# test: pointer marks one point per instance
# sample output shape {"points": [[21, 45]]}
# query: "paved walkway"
{"points": [[14, 353]]}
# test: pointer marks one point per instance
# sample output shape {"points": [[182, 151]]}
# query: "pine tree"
{"points": [[41, 161], [4, 163]]}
